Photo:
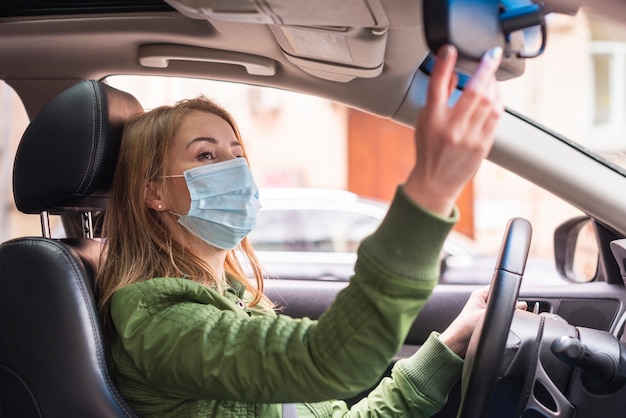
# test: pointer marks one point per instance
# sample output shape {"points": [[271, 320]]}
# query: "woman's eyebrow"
{"points": [[201, 139], [211, 140]]}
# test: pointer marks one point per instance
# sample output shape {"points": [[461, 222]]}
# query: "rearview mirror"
{"points": [[475, 26]]}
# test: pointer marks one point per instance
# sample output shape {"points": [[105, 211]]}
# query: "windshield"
{"points": [[577, 87]]}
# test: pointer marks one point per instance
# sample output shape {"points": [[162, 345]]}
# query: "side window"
{"points": [[346, 230], [13, 123], [609, 104], [311, 230], [279, 230], [314, 146]]}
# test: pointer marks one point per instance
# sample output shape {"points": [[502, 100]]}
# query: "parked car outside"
{"points": [[313, 234]]}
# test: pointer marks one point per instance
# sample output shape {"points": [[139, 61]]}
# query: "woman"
{"points": [[192, 337]]}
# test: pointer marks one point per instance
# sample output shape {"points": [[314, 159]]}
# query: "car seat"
{"points": [[53, 361]]}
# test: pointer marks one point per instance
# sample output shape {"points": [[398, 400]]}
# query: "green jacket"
{"points": [[185, 350]]}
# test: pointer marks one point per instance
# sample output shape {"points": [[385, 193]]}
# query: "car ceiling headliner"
{"points": [[41, 56]]}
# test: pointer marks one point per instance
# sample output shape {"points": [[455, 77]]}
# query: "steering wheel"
{"points": [[486, 347]]}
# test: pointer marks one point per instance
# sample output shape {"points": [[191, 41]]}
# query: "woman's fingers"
{"points": [[480, 91], [486, 112], [486, 70], [458, 136], [441, 77], [458, 334], [454, 81]]}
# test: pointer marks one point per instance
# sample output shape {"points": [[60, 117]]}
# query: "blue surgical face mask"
{"points": [[224, 202]]}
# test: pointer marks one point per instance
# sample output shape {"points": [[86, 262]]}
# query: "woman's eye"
{"points": [[206, 156]]}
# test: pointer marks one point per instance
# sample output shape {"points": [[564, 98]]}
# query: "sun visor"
{"points": [[329, 39], [337, 54], [350, 13]]}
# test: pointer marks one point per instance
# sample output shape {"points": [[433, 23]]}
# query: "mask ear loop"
{"points": [[178, 215], [170, 176], [171, 212]]}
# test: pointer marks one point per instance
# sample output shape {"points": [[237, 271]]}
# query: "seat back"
{"points": [[53, 360]]}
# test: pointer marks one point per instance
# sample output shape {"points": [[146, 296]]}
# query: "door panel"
{"points": [[592, 305], [595, 305]]}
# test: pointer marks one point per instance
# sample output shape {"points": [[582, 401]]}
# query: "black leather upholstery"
{"points": [[67, 155], [53, 360]]}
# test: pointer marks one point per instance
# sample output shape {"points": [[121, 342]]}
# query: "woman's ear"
{"points": [[153, 197]]}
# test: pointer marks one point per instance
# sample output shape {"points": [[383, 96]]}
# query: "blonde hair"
{"points": [[138, 244]]}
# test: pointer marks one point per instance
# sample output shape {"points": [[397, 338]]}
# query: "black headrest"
{"points": [[67, 156]]}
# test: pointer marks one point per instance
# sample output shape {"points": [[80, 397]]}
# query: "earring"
{"points": [[160, 207]]}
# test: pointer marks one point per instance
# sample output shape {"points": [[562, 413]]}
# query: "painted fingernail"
{"points": [[494, 53]]}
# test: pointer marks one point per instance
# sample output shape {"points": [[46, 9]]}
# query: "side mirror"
{"points": [[576, 250]]}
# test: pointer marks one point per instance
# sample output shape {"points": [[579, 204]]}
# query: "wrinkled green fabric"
{"points": [[185, 350]]}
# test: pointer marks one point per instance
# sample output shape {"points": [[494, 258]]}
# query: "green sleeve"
{"points": [[417, 388], [188, 341]]}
